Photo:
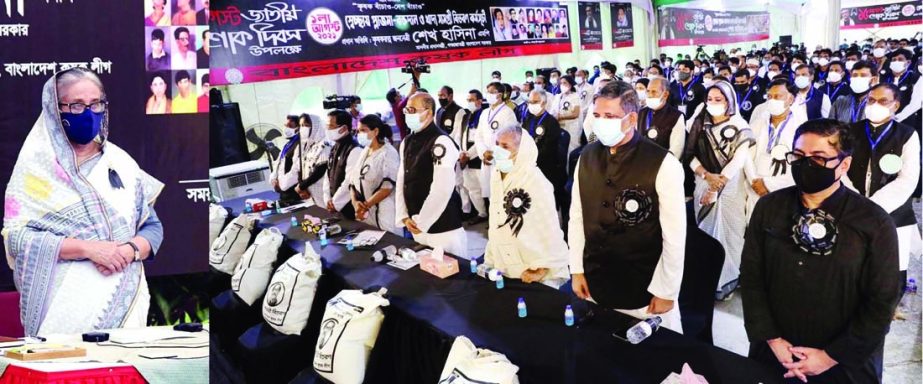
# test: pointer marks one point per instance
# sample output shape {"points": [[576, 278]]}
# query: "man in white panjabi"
{"points": [[497, 115], [79, 217], [525, 240]]}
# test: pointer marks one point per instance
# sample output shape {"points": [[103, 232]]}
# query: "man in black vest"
{"points": [[427, 203], [819, 268], [815, 102], [627, 227], [749, 92], [343, 157], [450, 117], [660, 121], [685, 93], [886, 164], [901, 74]]}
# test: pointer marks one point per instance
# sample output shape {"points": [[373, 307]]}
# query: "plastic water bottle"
{"points": [[474, 266], [322, 234], [643, 329], [521, 307], [500, 282], [248, 208], [349, 244], [568, 316], [911, 286], [294, 222]]}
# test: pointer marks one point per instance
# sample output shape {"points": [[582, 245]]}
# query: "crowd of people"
{"points": [[802, 164]]}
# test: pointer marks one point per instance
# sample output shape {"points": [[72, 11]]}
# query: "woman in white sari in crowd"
{"points": [[719, 145], [314, 153], [371, 183], [79, 217]]}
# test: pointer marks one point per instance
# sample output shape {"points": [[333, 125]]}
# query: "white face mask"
{"points": [[540, 87], [834, 77], [865, 57], [849, 64], [860, 84], [642, 95], [877, 113], [733, 69], [708, 82], [289, 132], [414, 122], [605, 76], [579, 80], [608, 131], [554, 80], [654, 103], [333, 135], [529, 79], [472, 106], [815, 60], [535, 109], [897, 66], [878, 52], [565, 88], [358, 107], [802, 82], [823, 61], [771, 74], [492, 98], [752, 72], [775, 107], [716, 109], [363, 139]]}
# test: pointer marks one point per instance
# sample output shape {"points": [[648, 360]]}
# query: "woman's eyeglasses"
{"points": [[97, 107]]}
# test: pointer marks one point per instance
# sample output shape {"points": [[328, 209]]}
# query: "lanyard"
{"points": [[855, 112], [835, 91], [810, 96], [682, 91], [650, 115], [491, 116], [773, 139], [747, 97], [537, 123], [904, 76], [868, 133]]}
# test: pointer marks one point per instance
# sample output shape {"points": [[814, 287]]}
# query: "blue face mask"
{"points": [[82, 128], [502, 159]]}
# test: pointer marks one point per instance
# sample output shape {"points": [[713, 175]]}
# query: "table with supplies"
{"points": [[144, 355], [426, 314]]}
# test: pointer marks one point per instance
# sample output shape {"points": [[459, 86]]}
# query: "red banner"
{"points": [[882, 15]]}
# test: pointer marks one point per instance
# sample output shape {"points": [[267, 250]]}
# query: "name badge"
{"points": [[890, 164], [652, 133]]}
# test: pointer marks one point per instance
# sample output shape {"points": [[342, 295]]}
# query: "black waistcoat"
{"points": [[892, 143], [662, 121], [445, 117], [336, 163], [468, 135], [814, 104], [620, 257], [421, 152]]}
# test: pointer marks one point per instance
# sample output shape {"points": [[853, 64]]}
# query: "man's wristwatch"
{"points": [[135, 248]]}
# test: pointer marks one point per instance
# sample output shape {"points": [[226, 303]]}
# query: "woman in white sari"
{"points": [[314, 153], [719, 145], [79, 217], [371, 183]]}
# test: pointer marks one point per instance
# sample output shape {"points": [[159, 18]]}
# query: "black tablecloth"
{"points": [[427, 313]]}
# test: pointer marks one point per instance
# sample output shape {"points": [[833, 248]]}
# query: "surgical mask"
{"points": [[579, 80], [877, 113], [733, 69], [642, 95], [651, 77], [358, 107], [605, 76], [565, 88], [529, 79], [540, 87], [823, 61], [771, 74], [811, 177], [608, 131], [289, 132], [897, 66], [752, 72], [696, 70], [502, 159], [766, 61], [472, 106], [878, 52], [443, 102], [653, 103], [492, 98], [708, 82], [333, 135], [535, 109], [802, 82], [683, 76], [363, 139], [554, 80], [504, 166], [82, 128], [865, 57], [815, 60], [834, 77], [514, 95], [414, 122], [716, 109], [849, 64], [860, 84], [775, 107]]}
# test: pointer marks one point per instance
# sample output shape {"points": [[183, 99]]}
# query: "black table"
{"points": [[427, 313]]}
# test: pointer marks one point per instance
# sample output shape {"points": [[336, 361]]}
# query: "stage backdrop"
{"points": [[38, 38], [255, 40], [622, 29], [882, 15], [681, 26]]}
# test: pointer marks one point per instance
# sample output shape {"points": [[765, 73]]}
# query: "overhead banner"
{"points": [[591, 30], [681, 26], [253, 40], [623, 34], [882, 15]]}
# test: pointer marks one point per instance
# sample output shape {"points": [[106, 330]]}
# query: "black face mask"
{"points": [[741, 88], [443, 102], [811, 177]]}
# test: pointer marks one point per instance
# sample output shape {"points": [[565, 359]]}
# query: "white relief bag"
{"points": [[348, 332], [230, 245], [467, 364], [290, 294], [217, 215], [255, 267]]}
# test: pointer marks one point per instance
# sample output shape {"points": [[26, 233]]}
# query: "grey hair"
{"points": [[628, 98], [74, 75], [541, 94], [511, 129], [662, 81]]}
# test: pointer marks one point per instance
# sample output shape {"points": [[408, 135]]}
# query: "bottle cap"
{"points": [[568, 308], [522, 301]]}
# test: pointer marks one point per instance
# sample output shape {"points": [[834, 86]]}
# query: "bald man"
{"points": [[427, 203], [660, 121]]}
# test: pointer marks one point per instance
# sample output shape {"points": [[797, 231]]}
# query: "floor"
{"points": [[902, 345]]}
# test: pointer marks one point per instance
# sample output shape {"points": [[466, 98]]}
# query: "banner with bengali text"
{"points": [[682, 26], [882, 15]]}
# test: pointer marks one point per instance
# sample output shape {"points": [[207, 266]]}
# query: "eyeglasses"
{"points": [[412, 110], [97, 107], [793, 157]]}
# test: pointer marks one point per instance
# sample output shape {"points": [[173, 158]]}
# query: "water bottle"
{"points": [[521, 307], [322, 234], [474, 266], [911, 286], [294, 222], [349, 244], [568, 316], [500, 282], [643, 329], [248, 208]]}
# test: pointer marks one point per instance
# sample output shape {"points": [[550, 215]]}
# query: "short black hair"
{"points": [[836, 63], [777, 63], [530, 73], [783, 81], [862, 64], [206, 79], [902, 52], [203, 36], [628, 98], [496, 85], [685, 63], [837, 131], [178, 31], [341, 117], [889, 86], [477, 94], [182, 75], [448, 89], [157, 34], [609, 66], [809, 67], [742, 73], [292, 119], [496, 73], [556, 71], [373, 121], [391, 96]]}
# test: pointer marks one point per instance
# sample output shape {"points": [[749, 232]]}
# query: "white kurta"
{"points": [[288, 178], [727, 220], [491, 120], [767, 157], [315, 154], [340, 196], [377, 170], [565, 103]]}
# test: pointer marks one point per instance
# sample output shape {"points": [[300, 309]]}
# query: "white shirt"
{"points": [[440, 190], [288, 179], [180, 62], [800, 102], [486, 136], [916, 101], [761, 166], [668, 275], [677, 135], [895, 194], [341, 196]]}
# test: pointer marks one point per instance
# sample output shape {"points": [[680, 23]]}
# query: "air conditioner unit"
{"points": [[239, 180]]}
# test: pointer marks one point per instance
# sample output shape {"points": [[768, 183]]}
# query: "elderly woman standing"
{"points": [[79, 217], [371, 183], [719, 145]]}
